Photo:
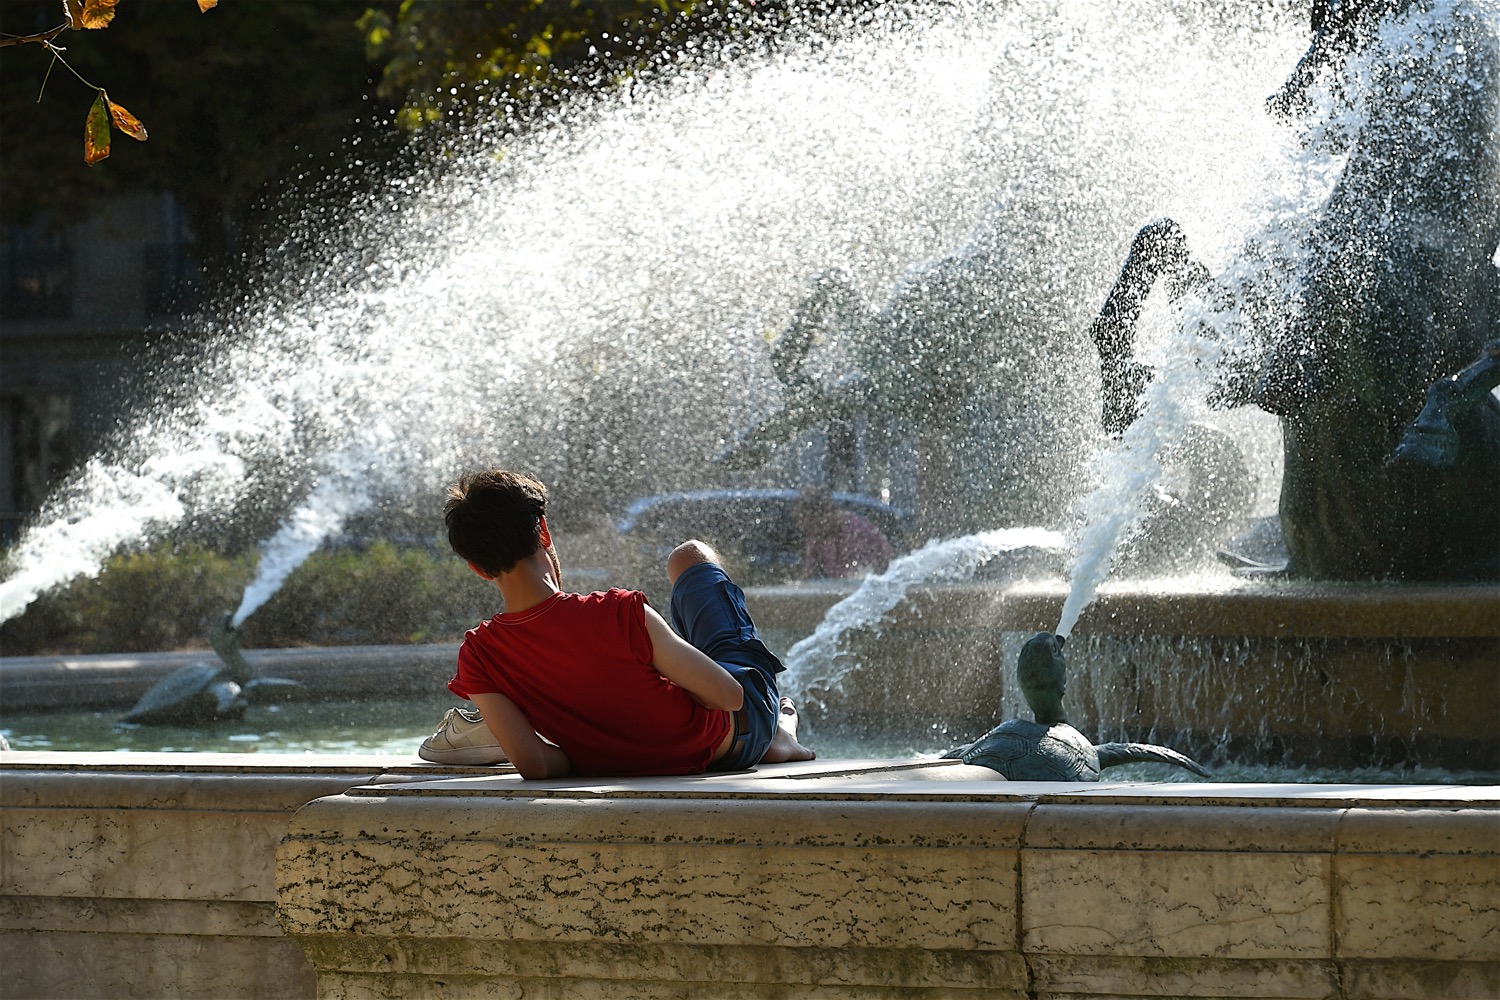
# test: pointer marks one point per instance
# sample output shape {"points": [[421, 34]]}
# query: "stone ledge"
{"points": [[404, 968], [1227, 608], [63, 965], [1060, 890], [152, 874], [95, 915], [812, 894], [921, 781], [1059, 976], [374, 767]]}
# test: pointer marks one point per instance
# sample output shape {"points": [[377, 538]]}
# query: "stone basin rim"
{"points": [[832, 781], [1217, 608]]}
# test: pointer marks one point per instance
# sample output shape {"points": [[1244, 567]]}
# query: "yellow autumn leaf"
{"points": [[97, 13], [73, 11], [204, 6], [96, 131], [127, 122]]}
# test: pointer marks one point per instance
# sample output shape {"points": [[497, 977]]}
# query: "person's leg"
{"points": [[708, 610]]}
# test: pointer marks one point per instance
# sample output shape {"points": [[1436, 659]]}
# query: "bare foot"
{"points": [[784, 745]]}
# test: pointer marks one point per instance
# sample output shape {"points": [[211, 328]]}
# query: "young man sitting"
{"points": [[598, 684]]}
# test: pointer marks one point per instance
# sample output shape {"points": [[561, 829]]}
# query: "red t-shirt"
{"points": [[579, 667]]}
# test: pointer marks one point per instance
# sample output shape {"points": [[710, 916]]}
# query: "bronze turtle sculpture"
{"points": [[209, 692], [1049, 749]]}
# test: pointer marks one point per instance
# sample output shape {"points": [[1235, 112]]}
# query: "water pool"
{"points": [[389, 726]]}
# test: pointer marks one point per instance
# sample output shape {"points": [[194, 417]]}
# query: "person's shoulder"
{"points": [[612, 594], [480, 632], [611, 611], [601, 599], [481, 637]]}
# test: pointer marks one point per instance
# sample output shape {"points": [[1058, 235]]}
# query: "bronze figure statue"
{"points": [[1398, 289], [1049, 749]]}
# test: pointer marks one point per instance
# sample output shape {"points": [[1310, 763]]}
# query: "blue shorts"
{"points": [[708, 610]]}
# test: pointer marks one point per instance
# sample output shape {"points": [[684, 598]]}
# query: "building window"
{"points": [[37, 270], [35, 454]]}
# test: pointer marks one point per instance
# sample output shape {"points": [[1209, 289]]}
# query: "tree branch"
{"points": [[43, 38]]}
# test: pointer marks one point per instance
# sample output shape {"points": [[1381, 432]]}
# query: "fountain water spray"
{"points": [[542, 292], [1116, 507], [815, 664], [342, 494]]}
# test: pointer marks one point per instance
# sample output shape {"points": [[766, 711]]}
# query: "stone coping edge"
{"points": [[1252, 609], [1239, 609], [900, 780]]}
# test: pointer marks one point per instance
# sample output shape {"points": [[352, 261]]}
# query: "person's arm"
{"points": [[533, 756], [689, 668]]}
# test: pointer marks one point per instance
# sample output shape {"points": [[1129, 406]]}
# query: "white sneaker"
{"points": [[463, 738]]}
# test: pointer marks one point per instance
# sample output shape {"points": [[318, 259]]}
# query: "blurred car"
{"points": [[754, 529]]}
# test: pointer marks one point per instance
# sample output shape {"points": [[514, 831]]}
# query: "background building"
{"points": [[77, 304]]}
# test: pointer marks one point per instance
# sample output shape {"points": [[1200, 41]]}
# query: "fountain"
{"points": [[349, 383], [205, 692], [335, 397], [1047, 748], [970, 161], [1336, 319], [1393, 287]]}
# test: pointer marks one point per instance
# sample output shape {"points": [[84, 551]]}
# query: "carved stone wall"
{"points": [[863, 886]]}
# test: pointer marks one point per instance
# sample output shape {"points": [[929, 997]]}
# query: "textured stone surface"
{"points": [[152, 875], [829, 879], [1178, 881], [1405, 979], [1162, 903], [1444, 865], [862, 885], [717, 872], [151, 965], [575, 968], [1129, 976]]}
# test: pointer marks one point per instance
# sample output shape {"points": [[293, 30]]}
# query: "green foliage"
{"points": [[168, 597], [446, 59], [380, 594], [158, 599]]}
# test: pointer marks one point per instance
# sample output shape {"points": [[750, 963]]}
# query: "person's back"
{"points": [[580, 666]]}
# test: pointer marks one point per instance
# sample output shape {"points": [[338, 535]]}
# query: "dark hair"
{"points": [[494, 518]]}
